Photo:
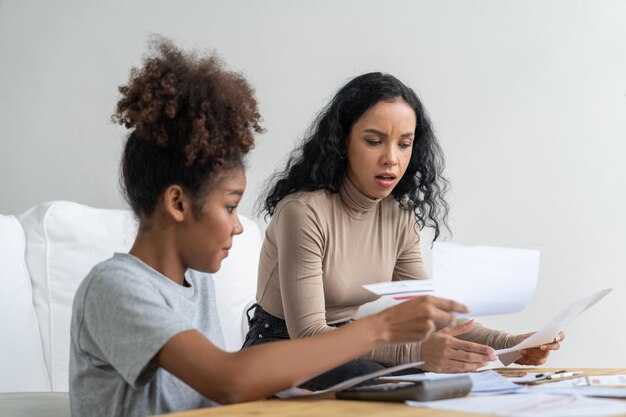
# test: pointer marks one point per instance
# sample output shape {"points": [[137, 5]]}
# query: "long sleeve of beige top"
{"points": [[321, 247]]}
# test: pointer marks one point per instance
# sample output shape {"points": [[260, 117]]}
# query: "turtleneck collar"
{"points": [[356, 203]]}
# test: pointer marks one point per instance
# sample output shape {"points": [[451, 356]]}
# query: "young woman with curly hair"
{"points": [[145, 335], [346, 211]]}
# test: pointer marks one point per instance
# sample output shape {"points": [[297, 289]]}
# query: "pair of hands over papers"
{"points": [[472, 274]]}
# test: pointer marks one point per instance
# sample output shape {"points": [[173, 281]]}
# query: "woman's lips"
{"points": [[385, 181]]}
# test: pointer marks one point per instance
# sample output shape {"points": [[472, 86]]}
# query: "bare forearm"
{"points": [[284, 361], [266, 369]]}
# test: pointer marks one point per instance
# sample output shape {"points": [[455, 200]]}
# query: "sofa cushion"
{"points": [[22, 366], [64, 241]]}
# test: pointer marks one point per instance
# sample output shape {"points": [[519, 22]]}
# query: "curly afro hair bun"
{"points": [[189, 103], [187, 116]]}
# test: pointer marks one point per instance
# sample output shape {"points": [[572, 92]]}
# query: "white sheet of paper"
{"points": [[529, 377], [299, 392], [587, 391], [530, 404], [401, 288], [602, 381], [568, 383], [607, 380], [472, 275], [551, 329], [489, 280]]}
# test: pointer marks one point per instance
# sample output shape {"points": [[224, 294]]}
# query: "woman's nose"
{"points": [[390, 158], [237, 227]]}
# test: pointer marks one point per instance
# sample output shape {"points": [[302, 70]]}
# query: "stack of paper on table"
{"points": [[531, 404], [493, 394]]}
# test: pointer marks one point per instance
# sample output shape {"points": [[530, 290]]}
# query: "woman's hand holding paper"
{"points": [[538, 355], [442, 352]]}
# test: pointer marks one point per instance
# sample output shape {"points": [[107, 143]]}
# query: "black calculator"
{"points": [[426, 390]]}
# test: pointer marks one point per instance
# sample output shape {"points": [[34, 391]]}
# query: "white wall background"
{"points": [[528, 99]]}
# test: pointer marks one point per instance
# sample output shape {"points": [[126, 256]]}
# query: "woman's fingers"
{"points": [[461, 328], [415, 319], [531, 361], [443, 352], [556, 344], [534, 353], [471, 352], [442, 313], [550, 346], [449, 305]]}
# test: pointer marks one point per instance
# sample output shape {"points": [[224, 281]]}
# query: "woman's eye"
{"points": [[231, 209], [373, 142], [405, 145]]}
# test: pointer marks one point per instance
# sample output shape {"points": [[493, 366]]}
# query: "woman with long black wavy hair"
{"points": [[346, 211]]}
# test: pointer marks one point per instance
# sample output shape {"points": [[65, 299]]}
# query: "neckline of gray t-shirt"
{"points": [[190, 275]]}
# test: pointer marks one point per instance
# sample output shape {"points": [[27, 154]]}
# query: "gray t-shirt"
{"points": [[124, 312]]}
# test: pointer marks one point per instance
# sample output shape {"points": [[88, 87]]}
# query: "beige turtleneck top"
{"points": [[321, 247]]}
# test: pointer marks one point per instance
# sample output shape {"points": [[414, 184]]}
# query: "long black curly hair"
{"points": [[319, 162]]}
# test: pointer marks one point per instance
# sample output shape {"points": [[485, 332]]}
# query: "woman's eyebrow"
{"points": [[407, 135], [375, 131]]}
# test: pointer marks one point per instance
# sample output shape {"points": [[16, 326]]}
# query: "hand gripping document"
{"points": [[551, 329]]}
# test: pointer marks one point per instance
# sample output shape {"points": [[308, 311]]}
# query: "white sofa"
{"points": [[44, 254]]}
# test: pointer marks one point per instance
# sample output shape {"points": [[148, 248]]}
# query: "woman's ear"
{"points": [[176, 203]]}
